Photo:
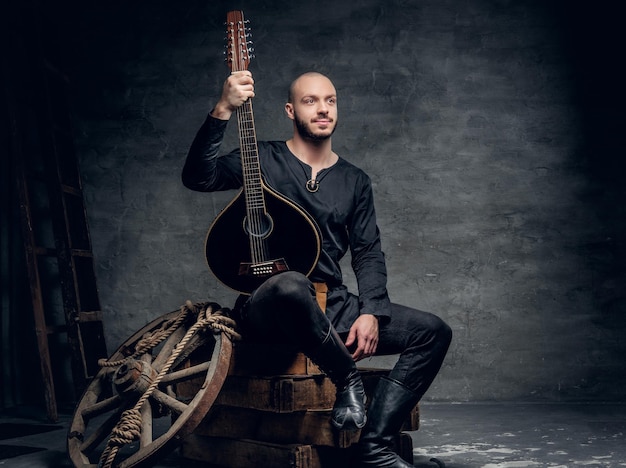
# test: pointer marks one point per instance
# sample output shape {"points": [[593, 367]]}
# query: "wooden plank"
{"points": [[270, 360], [303, 427], [220, 452], [280, 394]]}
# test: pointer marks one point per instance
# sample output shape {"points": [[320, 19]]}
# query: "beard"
{"points": [[304, 130]]}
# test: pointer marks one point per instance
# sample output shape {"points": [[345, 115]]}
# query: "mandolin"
{"points": [[260, 232]]}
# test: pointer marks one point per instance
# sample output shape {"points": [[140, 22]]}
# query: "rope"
{"points": [[128, 428], [152, 340]]}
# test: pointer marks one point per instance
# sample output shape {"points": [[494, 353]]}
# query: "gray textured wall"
{"points": [[487, 129]]}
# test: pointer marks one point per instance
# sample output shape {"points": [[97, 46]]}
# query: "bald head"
{"points": [[302, 79]]}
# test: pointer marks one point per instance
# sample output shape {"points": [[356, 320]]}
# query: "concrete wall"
{"points": [[489, 127]]}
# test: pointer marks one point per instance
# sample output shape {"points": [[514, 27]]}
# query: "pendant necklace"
{"points": [[312, 185]]}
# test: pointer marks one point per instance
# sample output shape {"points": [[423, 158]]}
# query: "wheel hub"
{"points": [[133, 377]]}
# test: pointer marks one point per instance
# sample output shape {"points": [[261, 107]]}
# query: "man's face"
{"points": [[314, 107]]}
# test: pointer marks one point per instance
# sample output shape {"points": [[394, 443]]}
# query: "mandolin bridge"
{"points": [[263, 269]]}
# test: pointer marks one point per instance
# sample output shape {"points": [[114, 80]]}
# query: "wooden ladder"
{"points": [[64, 293]]}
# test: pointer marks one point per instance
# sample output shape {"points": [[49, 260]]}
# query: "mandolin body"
{"points": [[291, 240]]}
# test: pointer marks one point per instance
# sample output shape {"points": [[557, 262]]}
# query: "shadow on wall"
{"points": [[594, 39]]}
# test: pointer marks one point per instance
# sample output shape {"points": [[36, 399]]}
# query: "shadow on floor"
{"points": [[461, 435]]}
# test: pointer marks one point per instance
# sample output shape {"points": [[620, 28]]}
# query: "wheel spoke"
{"points": [[168, 347], [146, 425], [185, 374], [101, 407], [101, 433], [197, 341], [172, 403]]}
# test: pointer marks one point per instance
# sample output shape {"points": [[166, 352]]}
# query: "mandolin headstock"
{"points": [[238, 47]]}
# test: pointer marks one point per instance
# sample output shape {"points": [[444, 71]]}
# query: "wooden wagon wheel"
{"points": [[152, 387]]}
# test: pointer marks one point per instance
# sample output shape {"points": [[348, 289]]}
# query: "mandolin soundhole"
{"points": [[260, 227]]}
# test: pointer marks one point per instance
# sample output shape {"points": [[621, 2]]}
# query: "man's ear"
{"points": [[289, 110]]}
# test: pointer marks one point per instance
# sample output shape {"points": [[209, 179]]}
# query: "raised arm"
{"points": [[203, 170]]}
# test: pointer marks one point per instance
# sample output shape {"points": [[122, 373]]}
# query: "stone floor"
{"points": [[523, 435], [459, 435]]}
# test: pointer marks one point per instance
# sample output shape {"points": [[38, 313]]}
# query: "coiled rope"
{"points": [[209, 315]]}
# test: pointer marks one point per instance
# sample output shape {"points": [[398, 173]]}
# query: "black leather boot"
{"points": [[336, 361], [389, 407]]}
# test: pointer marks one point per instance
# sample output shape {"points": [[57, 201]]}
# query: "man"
{"points": [[339, 196]]}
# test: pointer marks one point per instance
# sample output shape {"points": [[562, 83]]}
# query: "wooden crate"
{"points": [[274, 411], [281, 393]]}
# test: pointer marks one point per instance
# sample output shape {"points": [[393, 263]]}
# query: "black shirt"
{"points": [[343, 207]]}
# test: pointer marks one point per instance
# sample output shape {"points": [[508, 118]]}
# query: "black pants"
{"points": [[284, 309]]}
